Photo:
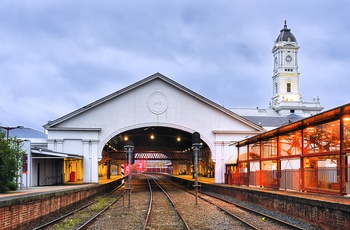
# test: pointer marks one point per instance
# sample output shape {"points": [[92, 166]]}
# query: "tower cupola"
{"points": [[285, 35]]}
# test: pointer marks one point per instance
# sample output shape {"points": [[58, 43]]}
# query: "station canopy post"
{"points": [[129, 147], [196, 145]]}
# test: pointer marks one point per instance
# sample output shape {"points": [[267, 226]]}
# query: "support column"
{"points": [[90, 161], [56, 145], [175, 167], [94, 161], [222, 150], [188, 168], [87, 162], [219, 163]]}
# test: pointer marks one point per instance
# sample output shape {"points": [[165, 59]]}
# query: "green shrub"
{"points": [[11, 158], [12, 186]]}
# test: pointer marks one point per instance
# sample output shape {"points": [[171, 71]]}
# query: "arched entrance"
{"points": [[155, 146]]}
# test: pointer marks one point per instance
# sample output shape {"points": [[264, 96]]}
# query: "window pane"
{"points": [[289, 87], [243, 167], [243, 153], [269, 148], [254, 151], [322, 138], [291, 144], [346, 121]]}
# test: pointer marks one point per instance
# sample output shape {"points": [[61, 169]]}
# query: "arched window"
{"points": [[289, 87]]}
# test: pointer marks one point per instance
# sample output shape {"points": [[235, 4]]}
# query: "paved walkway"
{"points": [[47, 189], [345, 200], [200, 179], [37, 190], [68, 186]]}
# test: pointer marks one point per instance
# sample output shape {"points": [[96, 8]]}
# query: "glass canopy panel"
{"points": [[322, 138], [243, 153], [269, 148], [254, 151], [291, 144], [322, 172]]}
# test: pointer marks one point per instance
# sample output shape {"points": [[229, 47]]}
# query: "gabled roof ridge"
{"points": [[101, 100], [142, 82], [212, 103]]}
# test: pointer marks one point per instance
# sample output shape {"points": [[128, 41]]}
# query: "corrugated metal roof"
{"points": [[272, 121], [45, 153], [255, 112], [23, 132], [232, 160]]}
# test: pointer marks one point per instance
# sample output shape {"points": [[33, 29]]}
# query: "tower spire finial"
{"points": [[285, 23]]}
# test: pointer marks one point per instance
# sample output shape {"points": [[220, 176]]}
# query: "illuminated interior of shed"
{"points": [[312, 154]]}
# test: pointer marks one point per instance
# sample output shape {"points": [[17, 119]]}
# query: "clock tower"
{"points": [[286, 98]]}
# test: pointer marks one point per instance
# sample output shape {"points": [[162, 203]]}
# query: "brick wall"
{"points": [[327, 213], [21, 213]]}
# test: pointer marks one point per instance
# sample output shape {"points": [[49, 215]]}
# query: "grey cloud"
{"points": [[57, 56]]}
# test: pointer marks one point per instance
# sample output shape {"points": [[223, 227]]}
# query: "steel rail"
{"points": [[149, 205], [230, 214], [100, 212], [291, 226], [76, 210], [173, 204], [224, 210]]}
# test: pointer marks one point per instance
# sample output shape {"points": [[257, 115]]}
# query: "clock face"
{"points": [[289, 58]]}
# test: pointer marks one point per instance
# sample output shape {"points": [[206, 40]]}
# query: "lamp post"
{"points": [[20, 159], [129, 147], [27, 163], [196, 145], [8, 130]]}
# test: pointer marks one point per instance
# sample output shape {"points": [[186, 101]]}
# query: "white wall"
{"points": [[134, 109]]}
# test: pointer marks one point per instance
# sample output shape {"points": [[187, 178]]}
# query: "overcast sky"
{"points": [[58, 56]]}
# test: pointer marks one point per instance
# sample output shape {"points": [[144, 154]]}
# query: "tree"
{"points": [[11, 161]]}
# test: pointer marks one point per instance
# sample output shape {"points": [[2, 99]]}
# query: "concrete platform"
{"points": [[200, 179], [50, 189], [306, 195]]}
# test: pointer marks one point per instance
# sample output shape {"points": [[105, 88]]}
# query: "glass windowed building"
{"points": [[312, 155]]}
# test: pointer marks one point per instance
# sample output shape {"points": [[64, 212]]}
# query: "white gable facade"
{"points": [[153, 101]]}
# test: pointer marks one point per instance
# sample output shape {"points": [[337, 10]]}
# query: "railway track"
{"points": [[161, 204], [255, 220], [84, 215], [261, 218], [194, 213], [158, 203]]}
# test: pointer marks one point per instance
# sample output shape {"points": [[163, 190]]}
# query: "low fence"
{"points": [[53, 180], [168, 170]]}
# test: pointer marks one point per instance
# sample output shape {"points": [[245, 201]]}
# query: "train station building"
{"points": [[159, 116]]}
